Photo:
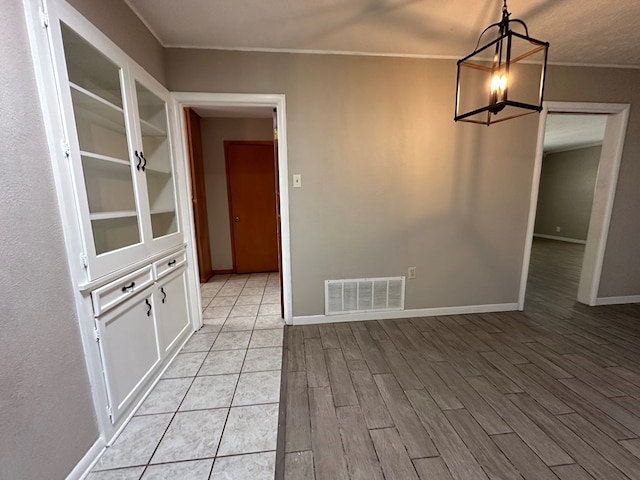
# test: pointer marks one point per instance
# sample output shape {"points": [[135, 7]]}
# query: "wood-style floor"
{"points": [[549, 393]]}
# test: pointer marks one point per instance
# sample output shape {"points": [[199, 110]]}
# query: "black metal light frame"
{"points": [[501, 62]]}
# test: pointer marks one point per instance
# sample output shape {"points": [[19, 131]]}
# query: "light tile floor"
{"points": [[214, 413]]}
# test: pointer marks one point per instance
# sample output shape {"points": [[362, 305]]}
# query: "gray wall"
{"points": [[567, 184], [214, 132], [391, 182], [46, 411]]}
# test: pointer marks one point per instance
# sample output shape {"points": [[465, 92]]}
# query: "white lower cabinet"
{"points": [[128, 341], [141, 319], [170, 298]]}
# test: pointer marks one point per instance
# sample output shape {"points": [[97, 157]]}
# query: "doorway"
{"points": [[614, 128], [245, 105]]}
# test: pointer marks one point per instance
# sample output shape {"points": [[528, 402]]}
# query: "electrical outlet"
{"points": [[411, 273], [558, 229]]}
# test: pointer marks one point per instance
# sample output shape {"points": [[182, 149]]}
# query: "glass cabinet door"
{"points": [[96, 95], [156, 155]]}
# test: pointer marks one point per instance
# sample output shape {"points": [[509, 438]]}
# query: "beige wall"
{"points": [[565, 199], [47, 419], [116, 20], [214, 132], [389, 181]]}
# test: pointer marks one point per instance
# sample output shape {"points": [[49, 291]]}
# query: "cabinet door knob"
{"points": [[129, 287], [139, 160], [163, 293], [146, 300]]}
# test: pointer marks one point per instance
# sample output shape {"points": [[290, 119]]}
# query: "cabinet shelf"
{"points": [[150, 130], [113, 215], [105, 158], [162, 211], [94, 109], [157, 171]]}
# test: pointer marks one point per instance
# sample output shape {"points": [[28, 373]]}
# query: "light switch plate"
{"points": [[297, 180]]}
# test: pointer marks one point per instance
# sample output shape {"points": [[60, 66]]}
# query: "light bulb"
{"points": [[498, 83], [498, 92]]}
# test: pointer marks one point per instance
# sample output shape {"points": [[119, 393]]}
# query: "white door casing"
{"points": [[604, 194], [277, 101]]}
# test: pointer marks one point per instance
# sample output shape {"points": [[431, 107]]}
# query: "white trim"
{"points": [[533, 203], [605, 190], [418, 312], [560, 239], [278, 101], [618, 300], [88, 461]]}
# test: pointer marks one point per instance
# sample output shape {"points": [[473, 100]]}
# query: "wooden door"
{"points": [[198, 194], [251, 180]]}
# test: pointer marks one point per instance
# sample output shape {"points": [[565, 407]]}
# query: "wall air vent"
{"points": [[360, 295]]}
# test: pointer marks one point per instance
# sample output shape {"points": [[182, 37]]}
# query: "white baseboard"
{"points": [[418, 312], [617, 300], [561, 239], [87, 462]]}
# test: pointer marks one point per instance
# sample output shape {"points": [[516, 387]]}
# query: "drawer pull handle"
{"points": [[139, 160], [146, 300], [129, 287], [171, 263], [163, 293]]}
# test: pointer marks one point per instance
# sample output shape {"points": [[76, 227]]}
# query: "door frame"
{"points": [[277, 101], [604, 194]]}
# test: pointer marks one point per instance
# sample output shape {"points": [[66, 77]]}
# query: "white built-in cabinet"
{"points": [[132, 269], [118, 128]]}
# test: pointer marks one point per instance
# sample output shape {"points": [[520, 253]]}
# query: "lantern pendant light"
{"points": [[504, 78]]}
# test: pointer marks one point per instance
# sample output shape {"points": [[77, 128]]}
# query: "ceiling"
{"points": [[590, 32], [570, 131]]}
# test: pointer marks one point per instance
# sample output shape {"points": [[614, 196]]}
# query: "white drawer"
{"points": [[112, 294], [169, 263]]}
